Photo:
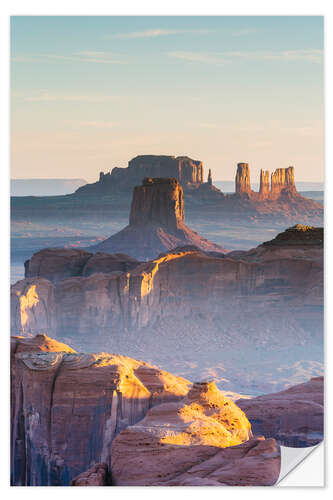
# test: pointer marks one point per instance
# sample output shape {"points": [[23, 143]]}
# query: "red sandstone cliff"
{"points": [[188, 288], [67, 407], [295, 417], [194, 442], [81, 419], [242, 181]]}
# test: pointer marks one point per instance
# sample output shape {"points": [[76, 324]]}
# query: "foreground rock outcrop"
{"points": [[156, 223], [294, 417], [97, 419], [203, 440], [66, 407], [98, 475]]}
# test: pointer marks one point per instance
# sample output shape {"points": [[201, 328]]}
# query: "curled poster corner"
{"points": [[302, 466]]}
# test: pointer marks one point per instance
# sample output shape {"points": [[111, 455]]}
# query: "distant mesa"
{"points": [[277, 197], [282, 179], [188, 172], [156, 223]]}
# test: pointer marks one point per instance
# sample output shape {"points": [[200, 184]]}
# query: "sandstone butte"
{"points": [[275, 290], [156, 223], [67, 407], [295, 417], [277, 197]]}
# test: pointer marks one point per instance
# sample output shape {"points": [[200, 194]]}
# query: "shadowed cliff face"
{"points": [[186, 171], [76, 418], [294, 417], [67, 407], [158, 201], [284, 275], [194, 305], [156, 223]]}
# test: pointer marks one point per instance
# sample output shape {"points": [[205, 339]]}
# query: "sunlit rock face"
{"points": [[264, 183], [282, 178], [67, 408], [242, 181], [294, 417], [275, 290], [33, 307], [158, 201], [156, 223], [181, 444]]}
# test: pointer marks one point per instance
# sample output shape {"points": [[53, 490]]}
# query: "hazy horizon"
{"points": [[90, 93]]}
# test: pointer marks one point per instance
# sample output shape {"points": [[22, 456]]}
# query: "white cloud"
{"points": [[309, 55], [158, 32], [200, 57], [49, 96], [83, 56]]}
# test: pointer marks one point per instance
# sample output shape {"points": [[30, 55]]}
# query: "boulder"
{"points": [[96, 476]]}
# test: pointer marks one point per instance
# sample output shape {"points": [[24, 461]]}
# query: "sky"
{"points": [[90, 93]]}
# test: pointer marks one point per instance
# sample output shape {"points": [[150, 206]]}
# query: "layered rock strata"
{"points": [[98, 475], [242, 181], [56, 264], [282, 178], [294, 417], [190, 289], [264, 184], [67, 408], [186, 171], [203, 440], [156, 223]]}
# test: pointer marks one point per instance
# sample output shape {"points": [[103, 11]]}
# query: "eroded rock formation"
{"points": [[282, 178], [294, 417], [194, 442], [264, 183], [188, 172], [158, 201], [67, 408], [210, 178], [98, 475], [242, 181], [55, 264], [188, 287], [253, 463], [156, 223]]}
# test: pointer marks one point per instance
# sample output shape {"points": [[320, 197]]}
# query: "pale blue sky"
{"points": [[90, 93]]}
